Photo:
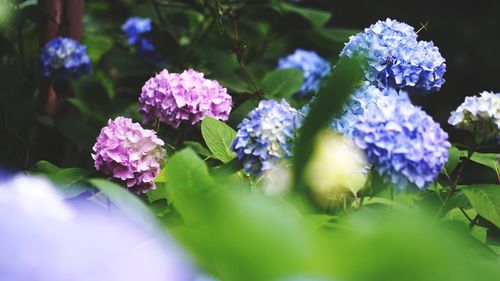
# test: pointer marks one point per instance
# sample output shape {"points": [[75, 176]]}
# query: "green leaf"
{"points": [[485, 198], [107, 83], [159, 193], [218, 137], [188, 179], [454, 155], [44, 167], [317, 18], [97, 45], [70, 181], [199, 148], [77, 131], [330, 99], [489, 160], [282, 83], [129, 204]]}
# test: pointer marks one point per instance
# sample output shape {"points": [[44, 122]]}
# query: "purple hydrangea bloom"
{"points": [[363, 98], [397, 59], [127, 152], [64, 58], [187, 97], [402, 142], [479, 114], [314, 67], [44, 238], [266, 135]]}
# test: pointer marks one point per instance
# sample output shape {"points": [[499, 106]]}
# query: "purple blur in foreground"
{"points": [[187, 97], [45, 239]]}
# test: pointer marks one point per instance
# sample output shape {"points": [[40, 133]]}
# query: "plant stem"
{"points": [[454, 184]]}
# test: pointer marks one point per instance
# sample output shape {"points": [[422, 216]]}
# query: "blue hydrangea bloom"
{"points": [[479, 114], [136, 28], [64, 58], [397, 59], [266, 135], [363, 97], [314, 67], [402, 142]]}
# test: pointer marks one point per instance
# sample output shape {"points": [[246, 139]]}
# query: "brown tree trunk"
{"points": [[64, 18]]}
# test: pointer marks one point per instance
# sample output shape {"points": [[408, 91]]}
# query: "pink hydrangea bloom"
{"points": [[126, 151], [187, 97]]}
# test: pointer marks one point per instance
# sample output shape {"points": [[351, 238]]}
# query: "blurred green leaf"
{"points": [[199, 148], [485, 198], [329, 101], [187, 179], [44, 167], [129, 204], [77, 131], [282, 83], [70, 181], [218, 137], [97, 45], [317, 18], [159, 193]]}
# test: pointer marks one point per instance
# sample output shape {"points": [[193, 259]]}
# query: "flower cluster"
{"points": [[479, 114], [45, 238], [136, 29], [126, 151], [314, 67], [187, 97], [396, 58], [403, 143], [363, 97], [64, 58], [266, 135]]}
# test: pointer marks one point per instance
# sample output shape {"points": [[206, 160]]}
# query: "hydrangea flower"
{"points": [[479, 114], [266, 135], [64, 58], [363, 97], [314, 67], [45, 238], [403, 143], [137, 30], [187, 97], [395, 58], [127, 152]]}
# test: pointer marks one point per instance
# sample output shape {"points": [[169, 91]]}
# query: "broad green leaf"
{"points": [[77, 131], [489, 160], [317, 18], [159, 193], [199, 148], [107, 83], [44, 167], [329, 101], [188, 179], [282, 83], [218, 137], [454, 155], [70, 181], [485, 198], [129, 204], [97, 45]]}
